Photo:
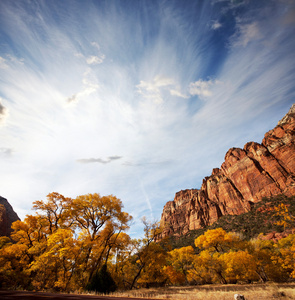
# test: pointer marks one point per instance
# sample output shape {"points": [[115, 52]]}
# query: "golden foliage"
{"points": [[67, 241]]}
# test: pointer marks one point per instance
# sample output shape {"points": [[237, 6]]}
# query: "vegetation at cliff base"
{"points": [[274, 214]]}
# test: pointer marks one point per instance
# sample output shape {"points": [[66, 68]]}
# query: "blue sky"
{"points": [[138, 99]]}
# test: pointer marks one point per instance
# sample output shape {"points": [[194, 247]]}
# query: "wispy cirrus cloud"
{"points": [[3, 64], [10, 59], [158, 86], [108, 86]]}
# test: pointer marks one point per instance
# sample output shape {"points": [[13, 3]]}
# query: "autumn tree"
{"points": [[99, 220], [145, 253], [219, 253], [181, 261], [29, 241], [121, 268], [65, 243], [285, 218], [265, 253], [284, 257], [138, 262], [218, 240], [239, 265], [55, 211], [201, 271], [55, 267]]}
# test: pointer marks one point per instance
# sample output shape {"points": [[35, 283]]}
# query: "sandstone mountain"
{"points": [[7, 217], [245, 177]]}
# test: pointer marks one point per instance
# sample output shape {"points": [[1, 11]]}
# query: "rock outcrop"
{"points": [[7, 217], [245, 177]]}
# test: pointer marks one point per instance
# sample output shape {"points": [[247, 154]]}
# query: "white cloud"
{"points": [[201, 88], [216, 25], [154, 89], [161, 81], [90, 86], [96, 45], [95, 60], [79, 55], [178, 93], [247, 33]]}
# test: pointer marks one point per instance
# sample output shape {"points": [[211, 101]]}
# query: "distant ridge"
{"points": [[245, 177]]}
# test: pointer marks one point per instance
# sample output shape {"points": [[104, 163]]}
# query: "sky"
{"points": [[136, 98]]}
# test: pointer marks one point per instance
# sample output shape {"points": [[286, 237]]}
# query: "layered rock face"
{"points": [[7, 217], [245, 177]]}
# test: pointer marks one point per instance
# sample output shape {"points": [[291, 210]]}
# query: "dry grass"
{"points": [[214, 292]]}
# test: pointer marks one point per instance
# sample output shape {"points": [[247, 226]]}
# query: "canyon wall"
{"points": [[7, 217], [245, 177]]}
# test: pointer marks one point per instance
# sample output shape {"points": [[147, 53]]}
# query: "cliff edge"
{"points": [[245, 177]]}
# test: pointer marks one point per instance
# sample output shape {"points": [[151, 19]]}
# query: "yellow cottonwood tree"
{"points": [[55, 211], [202, 273], [218, 240], [98, 219], [64, 243], [263, 252], [145, 254], [282, 211], [153, 272], [284, 256], [182, 260], [223, 257], [239, 265], [56, 267]]}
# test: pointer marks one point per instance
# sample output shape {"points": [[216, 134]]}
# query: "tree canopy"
{"points": [[82, 244]]}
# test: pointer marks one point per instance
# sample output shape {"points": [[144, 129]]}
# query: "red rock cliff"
{"points": [[246, 176], [7, 217]]}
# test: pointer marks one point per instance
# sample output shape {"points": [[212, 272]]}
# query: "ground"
{"points": [[14, 295]]}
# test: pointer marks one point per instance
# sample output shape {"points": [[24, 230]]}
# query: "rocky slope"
{"points": [[7, 217], [245, 177]]}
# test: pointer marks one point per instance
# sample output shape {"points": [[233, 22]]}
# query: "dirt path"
{"points": [[19, 295]]}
